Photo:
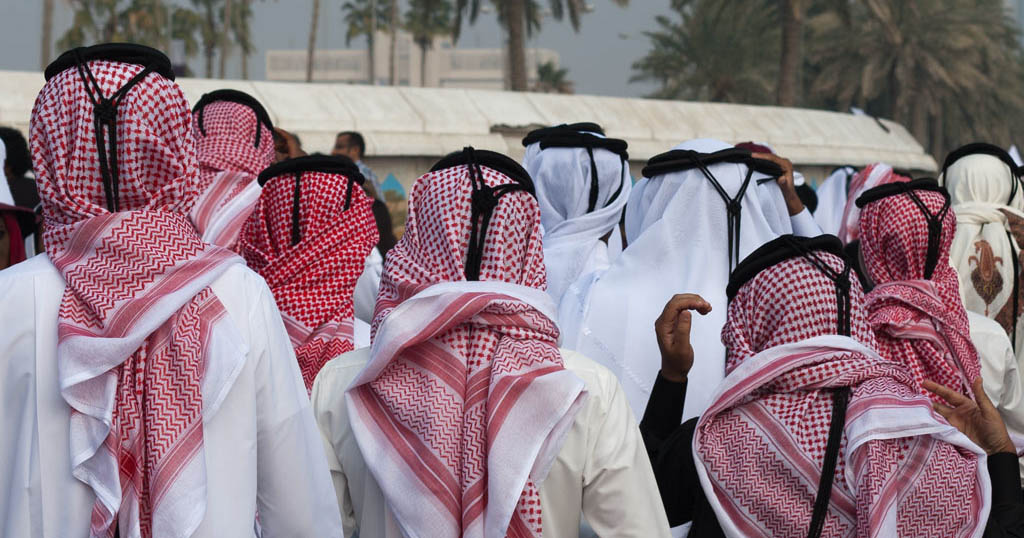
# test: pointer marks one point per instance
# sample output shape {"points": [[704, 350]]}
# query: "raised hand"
{"points": [[673, 331], [979, 421], [793, 203]]}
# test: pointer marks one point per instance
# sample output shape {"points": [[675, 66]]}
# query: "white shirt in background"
{"points": [[602, 472]]}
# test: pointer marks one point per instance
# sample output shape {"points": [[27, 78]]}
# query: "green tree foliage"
{"points": [[951, 70], [714, 51], [425, 20], [552, 79]]}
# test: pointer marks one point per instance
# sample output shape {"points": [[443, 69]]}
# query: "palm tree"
{"points": [[713, 50], [241, 16], [943, 65], [225, 36], [521, 18], [363, 18], [46, 35], [552, 79], [393, 50], [312, 41], [94, 21], [425, 20]]}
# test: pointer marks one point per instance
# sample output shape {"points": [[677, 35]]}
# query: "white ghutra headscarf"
{"points": [[677, 227], [582, 182]]}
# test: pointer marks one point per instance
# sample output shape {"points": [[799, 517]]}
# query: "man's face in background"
{"points": [[343, 146]]}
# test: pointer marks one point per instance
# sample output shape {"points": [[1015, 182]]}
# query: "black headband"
{"points": [[235, 96], [679, 160], [327, 164], [126, 53], [788, 247], [581, 135], [934, 220], [104, 109], [984, 148], [484, 198]]}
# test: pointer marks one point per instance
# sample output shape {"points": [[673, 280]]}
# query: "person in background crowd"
{"points": [[464, 418], [803, 437], [308, 237], [286, 145], [352, 145], [988, 199], [16, 167], [832, 196], [906, 231], [583, 183], [235, 142], [13, 219], [157, 392], [699, 209], [867, 178]]}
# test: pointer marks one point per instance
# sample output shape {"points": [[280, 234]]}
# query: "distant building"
{"points": [[445, 65]]}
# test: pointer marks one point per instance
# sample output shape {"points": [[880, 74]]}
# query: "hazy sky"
{"points": [[598, 57]]}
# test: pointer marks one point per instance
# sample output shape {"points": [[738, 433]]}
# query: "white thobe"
{"points": [[602, 471], [999, 372], [262, 448], [364, 298]]}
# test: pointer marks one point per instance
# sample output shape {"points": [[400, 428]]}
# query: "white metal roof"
{"points": [[431, 122]]}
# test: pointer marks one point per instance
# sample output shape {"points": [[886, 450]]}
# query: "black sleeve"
{"points": [[1007, 516], [669, 445]]}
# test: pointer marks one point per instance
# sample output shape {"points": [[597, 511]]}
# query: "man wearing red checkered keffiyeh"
{"points": [[792, 376], [906, 230], [308, 236], [126, 432], [234, 142]]}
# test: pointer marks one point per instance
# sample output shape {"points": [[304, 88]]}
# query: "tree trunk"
{"points": [[225, 39], [371, 43], [312, 41], [792, 53], [209, 51], [393, 53], [245, 65], [515, 20], [423, 64], [938, 144], [919, 121], [46, 39]]}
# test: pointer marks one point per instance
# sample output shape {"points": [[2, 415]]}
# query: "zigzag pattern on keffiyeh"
{"points": [[137, 321], [919, 323], [465, 401], [761, 444], [313, 280]]}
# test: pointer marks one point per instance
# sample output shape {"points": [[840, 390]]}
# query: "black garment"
{"points": [[670, 447], [23, 190], [384, 229]]}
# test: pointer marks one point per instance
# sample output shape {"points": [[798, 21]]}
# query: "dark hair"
{"points": [[18, 157], [355, 138]]}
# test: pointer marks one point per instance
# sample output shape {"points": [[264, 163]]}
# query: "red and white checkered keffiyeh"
{"points": [[312, 281], [760, 446], [229, 162], [465, 401], [138, 324], [869, 177], [919, 323]]}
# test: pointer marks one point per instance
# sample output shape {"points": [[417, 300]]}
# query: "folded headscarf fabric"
{"points": [[314, 278], [233, 147], [986, 247], [465, 401], [760, 446], [564, 180], [677, 225], [138, 324], [918, 318], [871, 176]]}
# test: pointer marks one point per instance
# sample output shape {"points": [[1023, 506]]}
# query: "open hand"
{"points": [[673, 331], [786, 181], [979, 421]]}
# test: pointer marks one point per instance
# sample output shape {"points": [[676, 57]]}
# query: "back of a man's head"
{"points": [[18, 161]]}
